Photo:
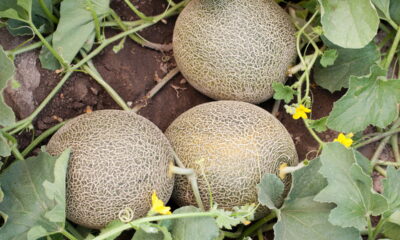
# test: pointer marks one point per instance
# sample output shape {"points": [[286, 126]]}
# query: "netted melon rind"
{"points": [[234, 49], [118, 159], [238, 142]]}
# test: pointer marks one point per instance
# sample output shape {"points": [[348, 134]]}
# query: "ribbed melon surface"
{"points": [[238, 143], [234, 49], [118, 159]]}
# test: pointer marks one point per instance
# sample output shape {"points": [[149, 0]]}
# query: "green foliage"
{"points": [[301, 217], [318, 125], [391, 186], [228, 219], [7, 70], [39, 18], [383, 7], [369, 100], [34, 206], [349, 187], [270, 191], [143, 235], [350, 62], [328, 57], [18, 10], [394, 10], [109, 227], [204, 228], [283, 92], [345, 25], [5, 149], [76, 26]]}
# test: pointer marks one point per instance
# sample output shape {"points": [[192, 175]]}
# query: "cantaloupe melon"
{"points": [[234, 144], [118, 159], [234, 49]]}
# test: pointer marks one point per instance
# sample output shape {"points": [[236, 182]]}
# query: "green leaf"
{"points": [[383, 6], [369, 100], [328, 57], [15, 9], [349, 23], [391, 187], [391, 190], [39, 18], [194, 228], [395, 11], [349, 188], [364, 163], [37, 184], [395, 217], [76, 26], [142, 235], [350, 62], [392, 231], [110, 226], [47, 60], [5, 149], [283, 92], [270, 191], [7, 71], [228, 219], [303, 218], [318, 125], [149, 231]]}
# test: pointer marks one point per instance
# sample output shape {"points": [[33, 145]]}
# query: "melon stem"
{"points": [[191, 176]]}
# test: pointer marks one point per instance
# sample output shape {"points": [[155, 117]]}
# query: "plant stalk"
{"points": [[68, 235], [155, 89], [42, 136], [46, 11], [395, 147], [392, 50], [254, 227], [92, 71], [377, 138], [139, 221], [48, 46]]}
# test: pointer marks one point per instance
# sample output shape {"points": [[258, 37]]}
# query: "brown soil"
{"points": [[134, 71]]}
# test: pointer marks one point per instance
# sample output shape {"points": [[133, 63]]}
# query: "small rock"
{"points": [[77, 105], [21, 99], [80, 90]]}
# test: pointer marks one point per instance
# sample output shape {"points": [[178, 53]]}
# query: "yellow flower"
{"points": [[282, 173], [246, 222], [158, 205], [301, 112], [344, 139]]}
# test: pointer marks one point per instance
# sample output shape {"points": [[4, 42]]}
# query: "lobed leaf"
{"points": [[76, 26], [301, 217], [318, 125], [16, 9], [283, 92], [328, 57], [349, 187], [195, 228], [349, 23], [394, 9], [369, 100], [39, 19], [270, 191], [350, 62], [7, 70], [391, 187], [5, 149], [34, 197]]}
